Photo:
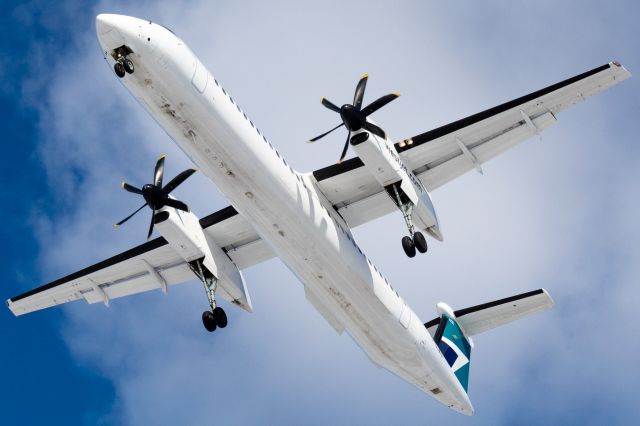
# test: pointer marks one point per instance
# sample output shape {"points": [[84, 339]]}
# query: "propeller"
{"points": [[354, 117], [155, 195]]}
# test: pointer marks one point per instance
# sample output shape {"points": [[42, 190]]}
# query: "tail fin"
{"points": [[452, 331], [455, 348]]}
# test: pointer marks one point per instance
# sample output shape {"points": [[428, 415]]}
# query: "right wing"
{"points": [[440, 155], [480, 318], [152, 265]]}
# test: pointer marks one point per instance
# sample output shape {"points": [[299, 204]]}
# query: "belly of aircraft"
{"points": [[289, 216]]}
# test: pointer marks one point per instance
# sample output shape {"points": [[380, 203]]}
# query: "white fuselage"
{"points": [[283, 206]]}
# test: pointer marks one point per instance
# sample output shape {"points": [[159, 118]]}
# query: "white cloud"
{"points": [[557, 214]]}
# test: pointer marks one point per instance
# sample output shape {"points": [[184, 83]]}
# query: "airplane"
{"points": [[305, 219]]}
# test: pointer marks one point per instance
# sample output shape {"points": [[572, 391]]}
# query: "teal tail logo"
{"points": [[455, 348]]}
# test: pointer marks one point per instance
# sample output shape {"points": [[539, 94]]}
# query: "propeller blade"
{"points": [[359, 95], [153, 215], [176, 204], [130, 216], [324, 134], [159, 172], [327, 103], [176, 181], [346, 147], [131, 188], [379, 103], [375, 130]]}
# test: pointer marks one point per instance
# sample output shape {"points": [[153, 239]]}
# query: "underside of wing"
{"points": [[480, 318], [152, 265], [444, 153]]}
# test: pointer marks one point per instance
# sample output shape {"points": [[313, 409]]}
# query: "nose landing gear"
{"points": [[216, 317], [123, 64]]}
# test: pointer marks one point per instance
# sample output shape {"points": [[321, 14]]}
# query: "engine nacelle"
{"points": [[382, 160], [184, 234]]}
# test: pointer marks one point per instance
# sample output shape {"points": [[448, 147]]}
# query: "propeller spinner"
{"points": [[354, 117], [155, 195]]}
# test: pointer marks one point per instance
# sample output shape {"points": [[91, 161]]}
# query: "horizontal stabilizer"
{"points": [[480, 318]]}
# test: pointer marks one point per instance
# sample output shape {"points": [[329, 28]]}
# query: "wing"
{"points": [[149, 266], [447, 152], [480, 318]]}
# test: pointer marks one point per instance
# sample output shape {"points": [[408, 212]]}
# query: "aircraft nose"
{"points": [[106, 22], [116, 30]]}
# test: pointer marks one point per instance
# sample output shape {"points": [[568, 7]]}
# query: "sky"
{"points": [[558, 212]]}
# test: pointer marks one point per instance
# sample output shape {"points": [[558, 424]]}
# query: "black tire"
{"points": [[128, 66], [408, 246], [209, 321], [420, 242], [119, 69], [220, 317]]}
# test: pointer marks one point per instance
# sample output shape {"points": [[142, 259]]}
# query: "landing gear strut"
{"points": [[415, 240], [216, 317]]}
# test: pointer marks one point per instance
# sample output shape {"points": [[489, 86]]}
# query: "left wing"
{"points": [[149, 266], [442, 154]]}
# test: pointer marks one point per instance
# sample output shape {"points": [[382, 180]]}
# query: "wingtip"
{"points": [[115, 225], [397, 94], [365, 75], [162, 156], [122, 185]]}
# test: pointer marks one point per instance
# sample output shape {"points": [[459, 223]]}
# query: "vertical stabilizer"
{"points": [[455, 347]]}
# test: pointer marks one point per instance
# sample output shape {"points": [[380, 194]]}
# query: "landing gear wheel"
{"points": [[119, 69], [408, 246], [128, 66], [220, 317], [209, 321], [420, 242]]}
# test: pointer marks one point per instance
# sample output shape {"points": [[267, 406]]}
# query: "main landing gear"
{"points": [[216, 317], [415, 240], [123, 64]]}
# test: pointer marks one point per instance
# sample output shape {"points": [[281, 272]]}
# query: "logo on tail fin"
{"points": [[457, 359]]}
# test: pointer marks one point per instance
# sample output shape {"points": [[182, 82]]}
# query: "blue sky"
{"points": [[559, 213]]}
